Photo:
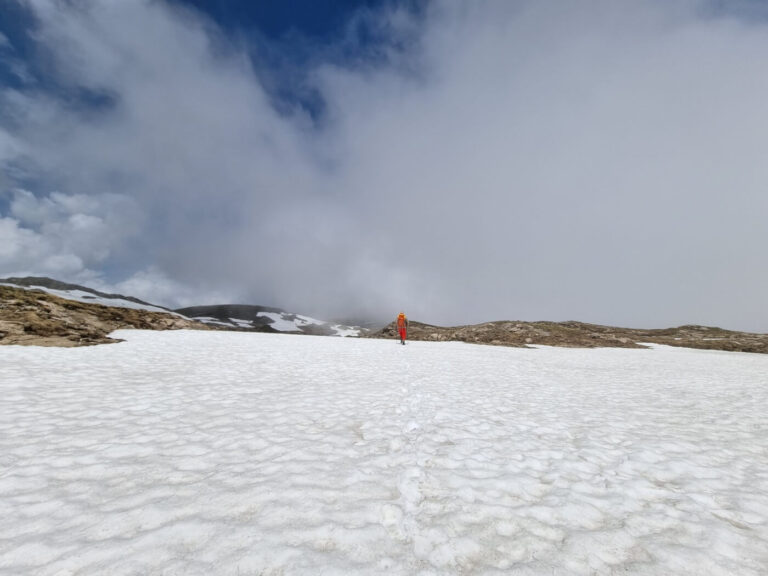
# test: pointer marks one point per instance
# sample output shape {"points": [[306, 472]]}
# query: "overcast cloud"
{"points": [[598, 161]]}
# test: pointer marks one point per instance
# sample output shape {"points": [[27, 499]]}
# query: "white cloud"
{"points": [[549, 160], [63, 235], [9, 147], [59, 265], [24, 252], [156, 287], [14, 242]]}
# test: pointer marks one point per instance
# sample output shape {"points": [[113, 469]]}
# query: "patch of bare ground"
{"points": [[31, 317], [582, 335]]}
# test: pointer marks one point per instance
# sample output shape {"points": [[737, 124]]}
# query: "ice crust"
{"points": [[244, 453]]}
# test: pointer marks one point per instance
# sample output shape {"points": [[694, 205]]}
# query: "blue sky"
{"points": [[281, 37], [319, 19], [285, 37], [464, 161]]}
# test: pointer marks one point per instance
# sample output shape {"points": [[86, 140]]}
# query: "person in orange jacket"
{"points": [[402, 326]]}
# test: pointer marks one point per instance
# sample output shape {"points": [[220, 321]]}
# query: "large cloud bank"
{"points": [[602, 161]]}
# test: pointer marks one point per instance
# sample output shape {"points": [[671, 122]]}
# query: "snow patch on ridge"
{"points": [[284, 322], [89, 298]]}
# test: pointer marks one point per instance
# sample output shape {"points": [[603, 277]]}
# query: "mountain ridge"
{"points": [[239, 317], [266, 319], [43, 310], [38, 318], [45, 282], [576, 334]]}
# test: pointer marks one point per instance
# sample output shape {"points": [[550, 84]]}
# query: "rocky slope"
{"points": [[38, 318], [581, 335], [80, 293], [58, 329]]}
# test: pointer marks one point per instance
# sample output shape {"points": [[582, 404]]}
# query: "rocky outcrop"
{"points": [[582, 335], [31, 317], [32, 281]]}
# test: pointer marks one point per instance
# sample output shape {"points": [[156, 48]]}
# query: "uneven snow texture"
{"points": [[244, 453]]}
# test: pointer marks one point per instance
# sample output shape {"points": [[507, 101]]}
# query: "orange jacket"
{"points": [[402, 322]]}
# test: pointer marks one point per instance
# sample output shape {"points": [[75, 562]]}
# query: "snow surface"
{"points": [[280, 324], [211, 320], [345, 331], [244, 453]]}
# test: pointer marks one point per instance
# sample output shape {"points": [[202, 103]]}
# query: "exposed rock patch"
{"points": [[32, 281], [31, 317]]}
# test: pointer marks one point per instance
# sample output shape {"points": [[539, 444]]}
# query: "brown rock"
{"points": [[30, 317]]}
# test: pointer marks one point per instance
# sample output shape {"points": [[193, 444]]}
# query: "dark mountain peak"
{"points": [[226, 311]]}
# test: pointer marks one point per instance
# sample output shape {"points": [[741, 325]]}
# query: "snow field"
{"points": [[245, 453]]}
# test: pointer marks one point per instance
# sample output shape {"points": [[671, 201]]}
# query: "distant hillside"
{"points": [[581, 335], [80, 293], [224, 317], [33, 317], [232, 315], [265, 319], [44, 311]]}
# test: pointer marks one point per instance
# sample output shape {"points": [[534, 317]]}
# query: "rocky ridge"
{"points": [[40, 317], [33, 317], [50, 283], [582, 335]]}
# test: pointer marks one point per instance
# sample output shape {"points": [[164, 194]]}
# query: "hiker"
{"points": [[402, 327]]}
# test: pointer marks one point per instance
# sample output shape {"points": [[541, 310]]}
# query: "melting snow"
{"points": [[211, 320], [284, 322], [294, 322], [345, 330], [246, 453], [278, 323]]}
